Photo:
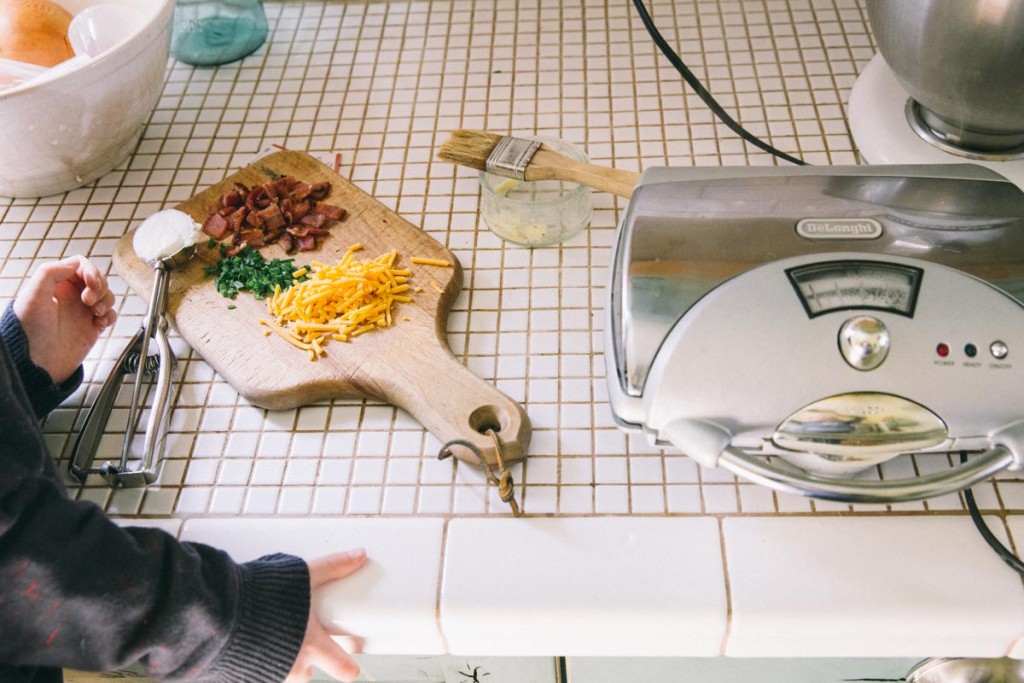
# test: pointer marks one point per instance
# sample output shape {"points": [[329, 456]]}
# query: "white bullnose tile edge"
{"points": [[584, 587], [391, 602], [869, 587]]}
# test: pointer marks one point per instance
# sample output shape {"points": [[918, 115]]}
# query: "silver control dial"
{"points": [[864, 342]]}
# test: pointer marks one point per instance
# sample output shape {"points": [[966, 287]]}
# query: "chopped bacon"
{"points": [[270, 190], [234, 251], [300, 192], [237, 219], [216, 226], [264, 214], [333, 213], [269, 218], [320, 190], [232, 199], [313, 219], [282, 186], [307, 230], [254, 238], [300, 210], [258, 198], [287, 210]]}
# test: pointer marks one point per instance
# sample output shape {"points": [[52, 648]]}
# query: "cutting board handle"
{"points": [[451, 402]]}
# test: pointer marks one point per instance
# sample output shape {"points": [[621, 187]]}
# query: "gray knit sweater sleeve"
{"points": [[78, 591], [43, 394]]}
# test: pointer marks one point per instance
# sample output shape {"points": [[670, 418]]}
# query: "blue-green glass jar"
{"points": [[211, 32]]}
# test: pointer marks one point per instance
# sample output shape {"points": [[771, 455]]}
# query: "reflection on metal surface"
{"points": [[856, 426], [935, 131], [961, 61], [1002, 670], [687, 231], [864, 342], [829, 286]]}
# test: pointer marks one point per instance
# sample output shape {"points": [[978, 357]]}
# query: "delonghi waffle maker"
{"points": [[799, 326]]}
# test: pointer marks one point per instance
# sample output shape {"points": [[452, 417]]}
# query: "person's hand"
{"points": [[318, 649], [63, 308]]}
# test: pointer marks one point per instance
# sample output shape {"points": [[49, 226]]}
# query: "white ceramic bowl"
{"points": [[61, 132], [102, 27]]}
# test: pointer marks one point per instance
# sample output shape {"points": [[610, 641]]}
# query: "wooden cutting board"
{"points": [[408, 365]]}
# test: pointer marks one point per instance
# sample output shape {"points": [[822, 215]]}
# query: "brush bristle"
{"points": [[469, 148]]}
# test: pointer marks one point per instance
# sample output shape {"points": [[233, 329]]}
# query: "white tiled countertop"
{"points": [[624, 549]]}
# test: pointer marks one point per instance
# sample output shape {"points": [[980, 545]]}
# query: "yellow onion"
{"points": [[34, 31]]}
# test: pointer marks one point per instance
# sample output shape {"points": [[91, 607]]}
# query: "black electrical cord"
{"points": [[702, 92], [1005, 554]]}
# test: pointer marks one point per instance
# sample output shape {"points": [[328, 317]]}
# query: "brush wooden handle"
{"points": [[548, 165]]}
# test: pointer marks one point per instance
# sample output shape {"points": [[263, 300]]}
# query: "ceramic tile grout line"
{"points": [[166, 240]]}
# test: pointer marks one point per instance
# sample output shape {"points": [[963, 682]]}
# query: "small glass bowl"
{"points": [[540, 213]]}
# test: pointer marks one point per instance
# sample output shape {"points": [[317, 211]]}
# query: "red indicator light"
{"points": [[942, 350]]}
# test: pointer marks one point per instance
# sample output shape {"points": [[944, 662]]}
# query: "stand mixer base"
{"points": [[883, 135]]}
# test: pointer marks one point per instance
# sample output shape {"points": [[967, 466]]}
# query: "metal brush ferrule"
{"points": [[511, 156]]}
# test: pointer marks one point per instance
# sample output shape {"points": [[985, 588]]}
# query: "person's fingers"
{"points": [[86, 279], [332, 658], [75, 269], [50, 275], [95, 284], [105, 303], [335, 566], [318, 647], [104, 321], [300, 676]]}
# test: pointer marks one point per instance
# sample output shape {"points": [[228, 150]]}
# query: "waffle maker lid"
{"points": [[733, 285]]}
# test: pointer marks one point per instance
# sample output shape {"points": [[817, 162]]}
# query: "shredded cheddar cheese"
{"points": [[423, 261], [286, 335], [339, 301]]}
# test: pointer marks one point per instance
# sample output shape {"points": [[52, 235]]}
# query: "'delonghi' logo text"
{"points": [[839, 229]]}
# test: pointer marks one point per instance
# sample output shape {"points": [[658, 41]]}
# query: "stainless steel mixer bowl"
{"points": [[962, 62]]}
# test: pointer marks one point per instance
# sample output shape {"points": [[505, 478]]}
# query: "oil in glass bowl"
{"points": [[540, 213]]}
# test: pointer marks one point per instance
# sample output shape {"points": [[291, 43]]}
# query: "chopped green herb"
{"points": [[248, 271], [232, 307], [211, 243]]}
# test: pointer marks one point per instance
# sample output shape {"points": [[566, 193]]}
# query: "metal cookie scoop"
{"points": [[165, 240]]}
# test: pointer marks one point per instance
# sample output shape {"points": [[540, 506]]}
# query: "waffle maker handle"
{"points": [[977, 469], [709, 444]]}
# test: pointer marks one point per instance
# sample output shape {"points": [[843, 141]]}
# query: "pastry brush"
{"points": [[530, 160]]}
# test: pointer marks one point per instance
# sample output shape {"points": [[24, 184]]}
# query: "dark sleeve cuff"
{"points": [[44, 394], [273, 610]]}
